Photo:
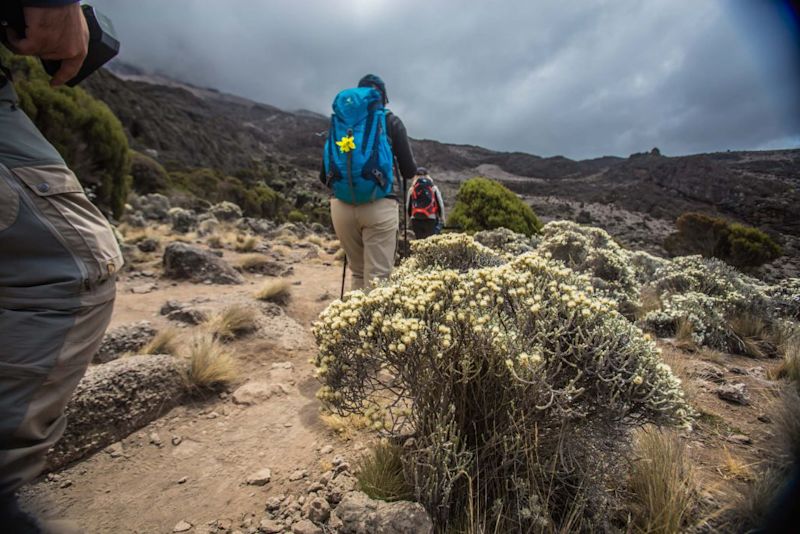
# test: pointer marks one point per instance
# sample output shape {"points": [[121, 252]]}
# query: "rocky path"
{"points": [[191, 467]]}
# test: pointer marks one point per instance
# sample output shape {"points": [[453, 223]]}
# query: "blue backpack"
{"points": [[359, 163]]}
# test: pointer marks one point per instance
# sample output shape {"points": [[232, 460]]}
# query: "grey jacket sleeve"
{"points": [[440, 200]]}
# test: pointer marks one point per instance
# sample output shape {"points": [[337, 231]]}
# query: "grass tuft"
{"points": [[753, 335], [246, 243], [344, 426], [210, 362], [253, 262], [277, 291], [684, 336], [165, 342], [661, 482], [233, 322], [380, 474]]}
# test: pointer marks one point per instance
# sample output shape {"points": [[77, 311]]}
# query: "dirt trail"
{"points": [[208, 447]]}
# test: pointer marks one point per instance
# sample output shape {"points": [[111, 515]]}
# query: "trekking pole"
{"points": [[344, 274], [404, 250]]}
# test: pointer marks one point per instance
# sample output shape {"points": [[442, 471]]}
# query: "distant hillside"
{"points": [[192, 127]]}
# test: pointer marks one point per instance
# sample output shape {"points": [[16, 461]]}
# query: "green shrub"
{"points": [[148, 175], [256, 200], [714, 237], [296, 216], [83, 130], [515, 381], [484, 204]]}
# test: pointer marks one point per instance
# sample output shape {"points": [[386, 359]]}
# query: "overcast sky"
{"points": [[577, 78]]}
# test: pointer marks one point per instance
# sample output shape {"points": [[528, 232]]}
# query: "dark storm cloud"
{"points": [[580, 79]]}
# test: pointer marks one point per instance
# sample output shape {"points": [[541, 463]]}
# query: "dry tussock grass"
{"points": [[165, 342], [233, 322], [339, 256], [246, 243], [789, 368], [252, 262], [679, 364], [345, 426], [684, 339], [210, 362], [661, 482], [277, 291], [134, 234], [754, 335], [734, 468]]}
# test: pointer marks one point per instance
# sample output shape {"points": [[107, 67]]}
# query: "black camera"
{"points": [[103, 43]]}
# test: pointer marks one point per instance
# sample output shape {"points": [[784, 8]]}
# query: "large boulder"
{"points": [[226, 211], [122, 339], [153, 207], [115, 399], [358, 514], [186, 262], [182, 220]]}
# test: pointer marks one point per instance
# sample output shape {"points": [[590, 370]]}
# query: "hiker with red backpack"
{"points": [[366, 145], [425, 206]]}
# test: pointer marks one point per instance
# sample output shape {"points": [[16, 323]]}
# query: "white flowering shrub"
{"points": [[591, 250], [507, 242], [708, 294], [645, 265], [785, 297], [448, 251], [490, 370]]}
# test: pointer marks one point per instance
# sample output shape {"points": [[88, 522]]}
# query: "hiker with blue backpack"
{"points": [[425, 206], [366, 146]]}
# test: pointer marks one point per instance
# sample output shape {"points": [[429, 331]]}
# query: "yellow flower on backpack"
{"points": [[347, 144]]}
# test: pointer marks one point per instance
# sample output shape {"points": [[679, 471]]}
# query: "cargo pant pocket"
{"points": [[59, 197], [9, 204]]}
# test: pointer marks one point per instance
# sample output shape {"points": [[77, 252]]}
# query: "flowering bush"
{"points": [[786, 298], [590, 250], [645, 265], [708, 294], [448, 251], [507, 242], [489, 369]]}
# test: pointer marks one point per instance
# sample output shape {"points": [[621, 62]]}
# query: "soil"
{"points": [[191, 464]]}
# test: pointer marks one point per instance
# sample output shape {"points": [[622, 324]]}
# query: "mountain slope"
{"points": [[191, 127]]}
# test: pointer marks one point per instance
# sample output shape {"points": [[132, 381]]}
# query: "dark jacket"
{"points": [[404, 157]]}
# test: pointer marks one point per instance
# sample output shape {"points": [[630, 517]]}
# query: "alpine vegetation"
{"points": [[519, 383], [590, 250]]}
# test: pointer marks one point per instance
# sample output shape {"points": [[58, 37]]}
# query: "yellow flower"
{"points": [[347, 144]]}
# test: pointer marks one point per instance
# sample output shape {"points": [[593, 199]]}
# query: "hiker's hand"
{"points": [[55, 33]]}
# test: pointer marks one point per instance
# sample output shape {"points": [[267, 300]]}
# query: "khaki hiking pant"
{"points": [[58, 264], [368, 234]]}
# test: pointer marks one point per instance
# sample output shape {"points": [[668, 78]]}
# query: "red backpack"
{"points": [[423, 199]]}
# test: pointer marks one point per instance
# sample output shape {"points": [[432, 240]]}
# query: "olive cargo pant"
{"points": [[368, 234], [58, 263]]}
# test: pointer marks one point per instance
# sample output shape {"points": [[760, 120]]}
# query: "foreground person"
{"points": [[358, 167], [58, 265]]}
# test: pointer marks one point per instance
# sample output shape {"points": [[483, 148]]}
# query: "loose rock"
{"points": [[115, 399], [735, 394], [182, 526], [122, 339], [259, 478], [186, 262]]}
